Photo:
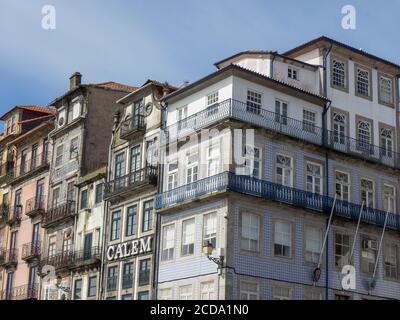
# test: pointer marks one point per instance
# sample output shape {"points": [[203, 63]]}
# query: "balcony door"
{"points": [[24, 155], [35, 236], [34, 155], [39, 201], [17, 203], [10, 285], [87, 246], [45, 151], [137, 112], [119, 171], [135, 165], [32, 283]]}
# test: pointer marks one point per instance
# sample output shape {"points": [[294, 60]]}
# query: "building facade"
{"points": [[244, 218]]}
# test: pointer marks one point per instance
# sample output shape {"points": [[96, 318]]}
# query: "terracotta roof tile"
{"points": [[115, 85], [34, 108]]}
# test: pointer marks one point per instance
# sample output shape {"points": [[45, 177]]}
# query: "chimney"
{"points": [[75, 80]]}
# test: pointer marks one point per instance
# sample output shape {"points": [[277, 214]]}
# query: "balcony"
{"points": [[6, 171], [240, 111], [275, 192], [35, 206], [60, 262], [130, 182], [26, 292], [86, 258], [8, 258], [29, 166], [132, 127], [31, 251], [15, 216], [58, 214]]}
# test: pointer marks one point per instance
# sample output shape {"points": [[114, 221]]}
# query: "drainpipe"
{"points": [[325, 89], [327, 222]]}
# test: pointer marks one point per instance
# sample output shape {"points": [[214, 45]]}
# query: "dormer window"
{"points": [[293, 73]]}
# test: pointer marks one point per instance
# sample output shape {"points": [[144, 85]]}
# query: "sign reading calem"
{"points": [[130, 248]]}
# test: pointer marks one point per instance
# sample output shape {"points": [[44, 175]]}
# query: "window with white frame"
{"points": [[250, 231], [249, 290], [282, 292], [314, 177], [312, 294], [212, 103], [186, 292], [254, 102], [282, 239], [363, 82], [172, 176], [253, 161], [389, 198], [364, 129], [368, 193], [386, 142], [281, 112], [59, 155], [168, 242], [293, 73], [309, 120], [342, 185], [313, 244], [207, 290], [284, 170], [339, 128], [369, 250], [391, 261], [188, 234], [386, 89], [165, 294], [192, 166], [339, 73], [341, 250], [181, 117], [213, 159], [210, 229]]}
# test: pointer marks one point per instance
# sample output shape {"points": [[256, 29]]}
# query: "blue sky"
{"points": [[174, 40]]}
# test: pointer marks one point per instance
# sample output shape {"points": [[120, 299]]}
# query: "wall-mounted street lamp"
{"points": [[208, 249]]}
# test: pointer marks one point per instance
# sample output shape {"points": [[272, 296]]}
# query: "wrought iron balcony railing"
{"points": [[59, 213], [237, 110], [29, 165], [8, 258], [35, 206], [276, 192], [14, 215], [132, 126], [60, 261], [131, 181], [26, 292], [86, 257], [31, 251]]}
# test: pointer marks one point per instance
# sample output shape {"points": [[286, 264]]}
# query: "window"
{"points": [[168, 242], [250, 232], [76, 109], [207, 291], [339, 74], [312, 294], [284, 170], [73, 149], [112, 278], [34, 155], [281, 110], [151, 152], [249, 290], [342, 297], [119, 165], [282, 292], [188, 233], [362, 82], [126, 297], [342, 185], [369, 249], [115, 225], [213, 159], [314, 178], [173, 175], [59, 155], [253, 161], [313, 244], [143, 295], [293, 73], [84, 199], [70, 191], [147, 223], [309, 121], [67, 244], [192, 167], [339, 128], [386, 143], [144, 272], [92, 287], [210, 229], [342, 250], [282, 239], [186, 292], [165, 294], [212, 103], [368, 193], [78, 289], [364, 130], [253, 102], [391, 260], [385, 90], [181, 115], [52, 246], [389, 198], [99, 193], [127, 275], [45, 151], [131, 224]]}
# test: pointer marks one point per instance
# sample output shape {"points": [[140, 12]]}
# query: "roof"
{"points": [[114, 85], [36, 129], [234, 67], [291, 52], [33, 108]]}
